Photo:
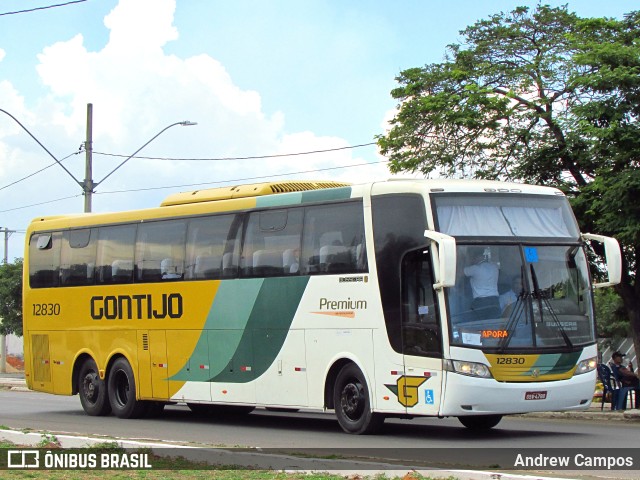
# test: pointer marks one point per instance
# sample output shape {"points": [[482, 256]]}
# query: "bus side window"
{"points": [[206, 239], [44, 259], [334, 239], [78, 257], [272, 237], [114, 262], [160, 251]]}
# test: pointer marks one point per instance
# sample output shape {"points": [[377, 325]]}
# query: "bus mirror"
{"points": [[445, 268], [613, 258]]}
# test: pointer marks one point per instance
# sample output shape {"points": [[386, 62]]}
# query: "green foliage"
{"points": [[498, 107], [613, 323], [11, 298], [538, 96]]}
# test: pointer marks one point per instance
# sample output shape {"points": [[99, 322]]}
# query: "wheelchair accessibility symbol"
{"points": [[428, 397]]}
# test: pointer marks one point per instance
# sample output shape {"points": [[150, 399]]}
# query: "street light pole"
{"points": [[185, 123], [88, 185], [3, 338], [43, 147]]}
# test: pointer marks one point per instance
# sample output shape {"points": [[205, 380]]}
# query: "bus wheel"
{"points": [[480, 422], [93, 390], [352, 404], [122, 391]]}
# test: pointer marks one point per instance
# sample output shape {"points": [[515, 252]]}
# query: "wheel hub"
{"points": [[352, 400]]}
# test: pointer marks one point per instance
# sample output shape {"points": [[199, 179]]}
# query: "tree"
{"points": [[609, 204], [611, 317], [11, 298], [539, 97]]}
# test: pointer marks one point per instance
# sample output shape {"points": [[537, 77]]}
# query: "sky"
{"points": [[261, 78]]}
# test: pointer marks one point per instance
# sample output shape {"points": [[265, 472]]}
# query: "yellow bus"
{"points": [[400, 298]]}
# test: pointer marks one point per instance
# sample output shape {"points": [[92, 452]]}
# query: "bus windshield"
{"points": [[514, 297]]}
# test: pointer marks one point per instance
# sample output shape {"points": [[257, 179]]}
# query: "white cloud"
{"points": [[137, 89]]}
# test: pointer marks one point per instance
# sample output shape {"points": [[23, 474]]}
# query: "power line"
{"points": [[195, 159], [41, 203], [255, 157], [41, 170], [42, 8], [198, 184]]}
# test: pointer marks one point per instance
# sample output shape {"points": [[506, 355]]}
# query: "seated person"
{"points": [[510, 297], [625, 374]]}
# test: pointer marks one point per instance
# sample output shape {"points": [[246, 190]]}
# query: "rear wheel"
{"points": [[480, 422], [352, 402], [92, 390], [122, 391]]}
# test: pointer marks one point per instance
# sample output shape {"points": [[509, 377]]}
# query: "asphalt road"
{"points": [[400, 440], [308, 430]]}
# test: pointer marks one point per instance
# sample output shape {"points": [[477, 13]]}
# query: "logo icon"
{"points": [[23, 459], [406, 389]]}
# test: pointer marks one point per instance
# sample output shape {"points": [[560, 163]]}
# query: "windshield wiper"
{"points": [[515, 315], [537, 294]]}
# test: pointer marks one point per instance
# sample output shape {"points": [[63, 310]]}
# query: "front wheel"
{"points": [[122, 391], [93, 390], [352, 402], [480, 422]]}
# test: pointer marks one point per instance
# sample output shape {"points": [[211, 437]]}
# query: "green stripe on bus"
{"points": [[245, 329], [296, 198], [266, 330], [566, 362], [225, 323], [555, 363]]}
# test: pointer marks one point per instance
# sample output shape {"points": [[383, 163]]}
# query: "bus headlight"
{"points": [[586, 366], [471, 369]]}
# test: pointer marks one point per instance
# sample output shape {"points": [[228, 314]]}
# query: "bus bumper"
{"points": [[477, 396]]}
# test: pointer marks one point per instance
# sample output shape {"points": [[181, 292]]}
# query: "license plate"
{"points": [[535, 395]]}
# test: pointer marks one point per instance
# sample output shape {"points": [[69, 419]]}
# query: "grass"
{"points": [[174, 469]]}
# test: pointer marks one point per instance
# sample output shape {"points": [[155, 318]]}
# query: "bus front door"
{"points": [[421, 336]]}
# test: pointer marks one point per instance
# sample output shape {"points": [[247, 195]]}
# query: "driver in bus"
{"points": [[483, 276]]}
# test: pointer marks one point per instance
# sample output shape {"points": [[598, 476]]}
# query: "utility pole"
{"points": [[87, 185], [3, 339]]}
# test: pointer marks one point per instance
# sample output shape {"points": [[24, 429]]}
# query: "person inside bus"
{"points": [[509, 298], [483, 276]]}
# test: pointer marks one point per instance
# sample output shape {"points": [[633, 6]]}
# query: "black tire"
{"points": [[352, 403], [93, 390], [122, 391], [480, 422]]}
